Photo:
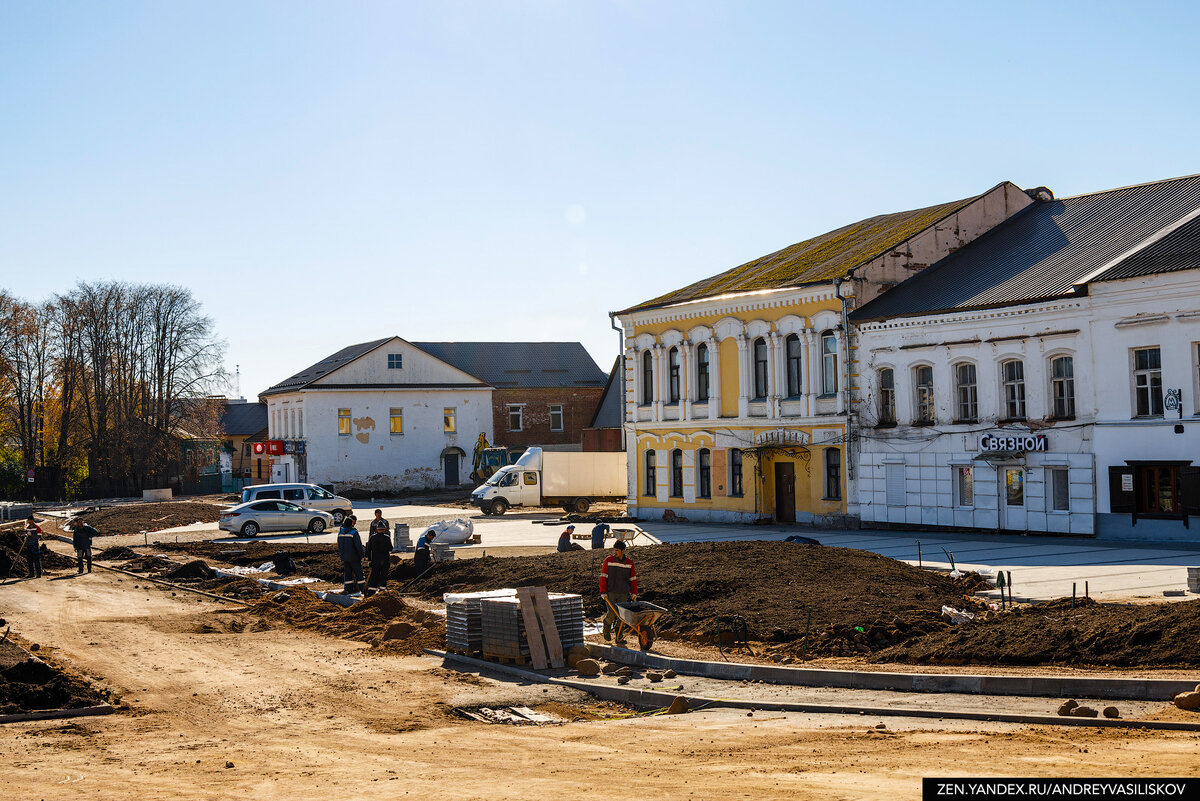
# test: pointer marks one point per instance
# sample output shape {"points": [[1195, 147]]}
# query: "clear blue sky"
{"points": [[320, 174]]}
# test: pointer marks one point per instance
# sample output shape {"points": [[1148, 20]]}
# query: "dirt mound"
{"points": [[383, 620], [28, 683], [195, 569], [118, 554], [148, 564], [771, 584], [318, 561], [135, 518], [241, 588], [12, 562], [1055, 633]]}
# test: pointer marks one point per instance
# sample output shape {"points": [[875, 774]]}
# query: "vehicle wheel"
{"points": [[338, 516], [499, 506], [645, 638], [250, 529], [316, 526], [581, 505]]}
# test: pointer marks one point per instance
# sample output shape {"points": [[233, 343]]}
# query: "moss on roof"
{"points": [[823, 258]]}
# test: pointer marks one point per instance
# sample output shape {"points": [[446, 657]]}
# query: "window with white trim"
{"points": [[1012, 375], [702, 373], [395, 361], [923, 389], [650, 484], [829, 376], [968, 392], [792, 347], [647, 378], [343, 422], [1062, 387], [760, 368], [964, 485], [556, 417], [1147, 382], [516, 417], [887, 395], [395, 421], [1059, 487], [673, 375], [704, 473]]}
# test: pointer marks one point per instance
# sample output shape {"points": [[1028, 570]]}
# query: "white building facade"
{"points": [[978, 420], [383, 416]]}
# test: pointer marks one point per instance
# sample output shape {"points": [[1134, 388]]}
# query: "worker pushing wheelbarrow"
{"points": [[619, 588]]}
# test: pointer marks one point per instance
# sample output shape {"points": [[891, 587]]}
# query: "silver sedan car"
{"points": [[248, 519]]}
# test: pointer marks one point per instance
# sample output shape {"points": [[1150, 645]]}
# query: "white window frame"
{"points": [[395, 361], [450, 419], [1064, 382], [1052, 496], [966, 409], [340, 417], [829, 369], [1149, 374], [395, 414], [558, 409], [923, 396], [960, 489], [517, 409], [1012, 390]]}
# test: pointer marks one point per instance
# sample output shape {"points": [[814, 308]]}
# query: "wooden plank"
{"points": [[541, 601], [533, 629]]}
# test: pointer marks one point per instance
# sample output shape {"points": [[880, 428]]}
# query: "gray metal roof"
{"points": [[1178, 250], [609, 412], [1041, 252], [507, 365], [325, 366], [239, 418]]}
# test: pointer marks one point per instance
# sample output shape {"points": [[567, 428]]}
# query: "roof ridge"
{"points": [[1130, 186]]}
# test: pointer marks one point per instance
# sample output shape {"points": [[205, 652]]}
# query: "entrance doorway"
{"points": [[1012, 499], [451, 460], [785, 492]]}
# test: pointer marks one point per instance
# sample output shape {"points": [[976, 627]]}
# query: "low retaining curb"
{"points": [[654, 699], [1048, 686]]}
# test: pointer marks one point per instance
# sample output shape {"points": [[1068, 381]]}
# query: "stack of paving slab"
{"points": [[1194, 579], [464, 628], [504, 627], [400, 538], [15, 511]]}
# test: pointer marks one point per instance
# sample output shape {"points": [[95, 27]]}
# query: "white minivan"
{"points": [[309, 496]]}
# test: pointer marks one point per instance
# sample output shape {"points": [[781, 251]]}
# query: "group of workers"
{"points": [[82, 535], [378, 552]]}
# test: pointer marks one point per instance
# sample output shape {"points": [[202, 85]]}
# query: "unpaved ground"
{"points": [[300, 715], [138, 517]]}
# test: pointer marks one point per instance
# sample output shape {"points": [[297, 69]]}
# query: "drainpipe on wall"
{"points": [[837, 285], [612, 322]]}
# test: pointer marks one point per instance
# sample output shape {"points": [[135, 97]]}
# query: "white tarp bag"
{"points": [[957, 616], [451, 532]]}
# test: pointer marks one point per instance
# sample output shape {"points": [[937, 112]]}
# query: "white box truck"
{"points": [[571, 479]]}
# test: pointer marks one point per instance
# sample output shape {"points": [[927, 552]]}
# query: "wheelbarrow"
{"points": [[637, 617]]}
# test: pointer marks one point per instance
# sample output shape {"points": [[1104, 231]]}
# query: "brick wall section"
{"points": [[579, 405]]}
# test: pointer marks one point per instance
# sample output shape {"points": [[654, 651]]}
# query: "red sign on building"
{"points": [[272, 447]]}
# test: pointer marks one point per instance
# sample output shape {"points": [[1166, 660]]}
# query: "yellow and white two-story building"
{"points": [[738, 388]]}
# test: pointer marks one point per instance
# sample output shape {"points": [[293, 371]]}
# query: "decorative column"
{"points": [[685, 380], [811, 374], [660, 388], [633, 388], [843, 359], [714, 378], [773, 375], [744, 376]]}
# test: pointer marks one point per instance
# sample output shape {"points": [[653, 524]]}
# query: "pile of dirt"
{"points": [[148, 564], [28, 683], [242, 588], [12, 562], [318, 561], [383, 620], [772, 585], [117, 554], [195, 569], [1059, 633], [135, 518]]}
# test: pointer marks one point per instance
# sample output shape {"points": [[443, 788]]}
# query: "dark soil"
{"points": [[12, 563], [1055, 633], [195, 569], [318, 561], [138, 517], [28, 684]]}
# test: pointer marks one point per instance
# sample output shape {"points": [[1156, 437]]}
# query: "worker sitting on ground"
{"points": [[618, 584], [564, 541]]}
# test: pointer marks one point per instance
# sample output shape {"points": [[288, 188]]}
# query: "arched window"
{"points": [[1062, 385], [676, 473], [651, 483], [887, 395], [923, 387], [704, 470], [1013, 376], [792, 348], [760, 368], [833, 474], [829, 370], [673, 375], [702, 373], [967, 385], [647, 377]]}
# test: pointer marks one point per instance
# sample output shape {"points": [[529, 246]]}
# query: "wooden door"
{"points": [[785, 492]]}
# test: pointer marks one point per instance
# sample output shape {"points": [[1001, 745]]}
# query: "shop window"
{"points": [[396, 421], [964, 486], [829, 377], [449, 420], [343, 422], [760, 368], [1013, 377], [516, 417], [968, 392], [1058, 484], [1159, 486], [792, 348], [833, 474], [676, 473], [556, 417], [735, 472], [651, 483], [704, 468], [1147, 382], [887, 396], [647, 377], [1014, 486], [673, 375], [1062, 387], [395, 361], [923, 387], [702, 373]]}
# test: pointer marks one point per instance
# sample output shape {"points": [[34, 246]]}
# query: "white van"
{"points": [[309, 496]]}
